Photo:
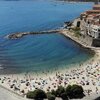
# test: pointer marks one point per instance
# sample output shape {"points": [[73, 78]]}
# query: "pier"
{"points": [[21, 34]]}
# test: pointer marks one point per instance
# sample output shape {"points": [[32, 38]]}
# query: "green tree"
{"points": [[60, 90], [75, 91], [50, 96], [53, 92], [30, 95], [64, 96], [37, 94]]}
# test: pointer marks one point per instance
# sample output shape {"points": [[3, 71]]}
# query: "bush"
{"points": [[76, 29], [77, 34], [37, 94], [74, 91], [64, 96], [68, 90], [60, 90], [30, 95], [50, 96], [53, 92]]}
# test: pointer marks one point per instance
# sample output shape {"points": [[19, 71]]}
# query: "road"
{"points": [[7, 95]]}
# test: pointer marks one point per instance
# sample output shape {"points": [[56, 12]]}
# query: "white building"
{"points": [[90, 22]]}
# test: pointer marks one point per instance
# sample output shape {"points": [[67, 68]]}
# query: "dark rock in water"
{"points": [[15, 36], [68, 23], [18, 35]]}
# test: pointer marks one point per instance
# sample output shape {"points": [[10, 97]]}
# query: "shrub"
{"points": [[76, 29], [53, 92], [68, 90], [50, 96], [30, 95], [64, 96], [74, 91], [37, 94], [60, 90], [77, 34]]}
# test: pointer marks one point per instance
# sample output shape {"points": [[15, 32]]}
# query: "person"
{"points": [[96, 90]]}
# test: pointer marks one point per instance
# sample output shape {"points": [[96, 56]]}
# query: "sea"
{"points": [[42, 52]]}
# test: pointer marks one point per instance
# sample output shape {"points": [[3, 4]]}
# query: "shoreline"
{"points": [[50, 78]]}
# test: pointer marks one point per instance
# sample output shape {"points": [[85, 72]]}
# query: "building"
{"points": [[90, 22]]}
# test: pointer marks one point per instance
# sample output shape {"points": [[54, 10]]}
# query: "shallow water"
{"points": [[38, 52]]}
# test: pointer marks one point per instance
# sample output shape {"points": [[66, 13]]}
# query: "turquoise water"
{"points": [[38, 52]]}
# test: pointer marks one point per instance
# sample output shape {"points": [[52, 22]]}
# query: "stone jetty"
{"points": [[21, 34]]}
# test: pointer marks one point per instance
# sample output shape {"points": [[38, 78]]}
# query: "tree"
{"points": [[64, 96], [53, 92], [68, 90], [75, 91], [50, 96], [30, 95], [60, 90], [37, 94]]}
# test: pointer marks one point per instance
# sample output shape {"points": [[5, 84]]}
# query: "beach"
{"points": [[86, 74]]}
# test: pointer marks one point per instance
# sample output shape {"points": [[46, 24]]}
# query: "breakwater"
{"points": [[21, 34]]}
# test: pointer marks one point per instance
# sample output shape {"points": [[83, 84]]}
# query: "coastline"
{"points": [[50, 77]]}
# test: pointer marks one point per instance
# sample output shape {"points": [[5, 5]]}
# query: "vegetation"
{"points": [[76, 30], [75, 91], [37, 94], [50, 96], [53, 92], [64, 96], [30, 95], [60, 91], [71, 91]]}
